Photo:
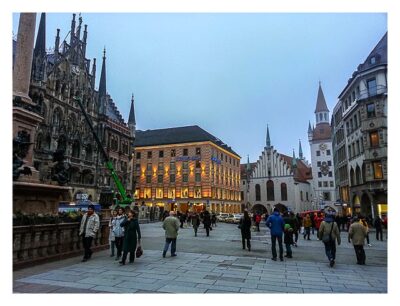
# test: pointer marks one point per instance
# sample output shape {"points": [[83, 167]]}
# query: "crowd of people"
{"points": [[285, 228]]}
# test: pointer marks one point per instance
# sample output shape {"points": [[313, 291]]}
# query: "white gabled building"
{"points": [[320, 139], [277, 180]]}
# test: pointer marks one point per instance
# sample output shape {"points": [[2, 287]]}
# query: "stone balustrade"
{"points": [[33, 244]]}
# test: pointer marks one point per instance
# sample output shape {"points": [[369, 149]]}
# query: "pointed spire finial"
{"points": [[294, 162], [104, 52], [132, 119], [268, 140], [300, 150], [248, 168]]}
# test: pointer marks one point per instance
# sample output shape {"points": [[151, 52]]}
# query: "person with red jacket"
{"points": [[258, 220]]}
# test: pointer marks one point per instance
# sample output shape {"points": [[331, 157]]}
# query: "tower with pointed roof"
{"points": [[320, 140], [132, 120], [103, 87], [39, 52]]}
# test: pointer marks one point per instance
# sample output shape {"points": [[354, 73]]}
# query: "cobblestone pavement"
{"points": [[215, 264]]}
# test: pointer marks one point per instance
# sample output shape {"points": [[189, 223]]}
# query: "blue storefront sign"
{"points": [[216, 160]]}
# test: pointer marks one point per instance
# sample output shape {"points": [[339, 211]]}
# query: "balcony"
{"points": [[372, 92]]}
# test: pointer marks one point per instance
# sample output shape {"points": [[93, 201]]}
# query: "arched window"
{"points": [[364, 172], [89, 152], [76, 149], [283, 192], [48, 143], [352, 177], [320, 116], [39, 141], [270, 191], [358, 176], [62, 143], [57, 117], [258, 193]]}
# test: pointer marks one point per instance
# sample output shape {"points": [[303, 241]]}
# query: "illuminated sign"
{"points": [[214, 159], [187, 158]]}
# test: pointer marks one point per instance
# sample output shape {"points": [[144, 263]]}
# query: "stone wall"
{"points": [[34, 244]]}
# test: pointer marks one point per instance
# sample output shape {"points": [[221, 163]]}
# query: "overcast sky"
{"points": [[231, 74]]}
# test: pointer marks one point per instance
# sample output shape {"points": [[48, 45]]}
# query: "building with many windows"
{"points": [[360, 132], [320, 140], [277, 180], [185, 169]]}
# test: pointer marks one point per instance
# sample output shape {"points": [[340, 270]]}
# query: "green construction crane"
{"points": [[125, 200]]}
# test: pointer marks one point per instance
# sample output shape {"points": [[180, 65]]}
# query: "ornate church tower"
{"points": [[320, 140]]}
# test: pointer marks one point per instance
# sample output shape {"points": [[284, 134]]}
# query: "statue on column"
{"points": [[21, 145], [60, 169]]}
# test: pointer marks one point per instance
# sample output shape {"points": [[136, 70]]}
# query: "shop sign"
{"points": [[187, 158], [216, 160]]}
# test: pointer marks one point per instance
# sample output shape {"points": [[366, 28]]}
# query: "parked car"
{"points": [[222, 216], [236, 218], [229, 219]]}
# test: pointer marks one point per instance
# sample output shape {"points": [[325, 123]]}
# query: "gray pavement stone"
{"points": [[234, 284], [280, 288], [111, 289], [139, 286], [219, 287], [99, 281], [174, 289], [60, 283]]}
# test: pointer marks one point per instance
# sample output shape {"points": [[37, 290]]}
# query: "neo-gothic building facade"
{"points": [[276, 180], [57, 78]]}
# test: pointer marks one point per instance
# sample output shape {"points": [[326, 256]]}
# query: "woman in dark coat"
{"points": [[245, 225], [132, 235]]}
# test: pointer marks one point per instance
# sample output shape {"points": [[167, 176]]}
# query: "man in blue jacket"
{"points": [[276, 224]]}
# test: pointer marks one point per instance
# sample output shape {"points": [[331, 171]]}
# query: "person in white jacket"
{"points": [[88, 229]]}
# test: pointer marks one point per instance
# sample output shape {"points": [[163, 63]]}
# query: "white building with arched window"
{"points": [[277, 180]]}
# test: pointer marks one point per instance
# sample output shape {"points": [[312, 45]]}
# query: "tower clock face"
{"points": [[324, 168], [322, 146]]}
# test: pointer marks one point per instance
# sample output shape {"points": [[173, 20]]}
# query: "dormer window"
{"points": [[372, 60]]}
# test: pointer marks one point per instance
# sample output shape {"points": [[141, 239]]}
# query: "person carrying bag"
{"points": [[329, 233]]}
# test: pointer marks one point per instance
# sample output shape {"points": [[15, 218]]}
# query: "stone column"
{"points": [[23, 56]]}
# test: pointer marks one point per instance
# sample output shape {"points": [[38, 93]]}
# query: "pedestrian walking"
{"points": [[213, 219], [207, 222], [288, 240], [245, 226], [111, 236], [364, 222], [317, 221], [307, 224], [171, 227], [378, 228], [276, 225], [131, 236], [329, 233], [89, 226], [257, 221], [195, 223], [119, 231], [357, 234], [297, 228]]}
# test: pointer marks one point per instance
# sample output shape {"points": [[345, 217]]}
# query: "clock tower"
{"points": [[320, 140]]}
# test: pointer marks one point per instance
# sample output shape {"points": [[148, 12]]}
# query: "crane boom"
{"points": [[125, 199]]}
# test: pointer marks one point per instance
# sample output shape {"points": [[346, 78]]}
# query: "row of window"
{"points": [[185, 152], [328, 152], [372, 90], [326, 184], [197, 193]]}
